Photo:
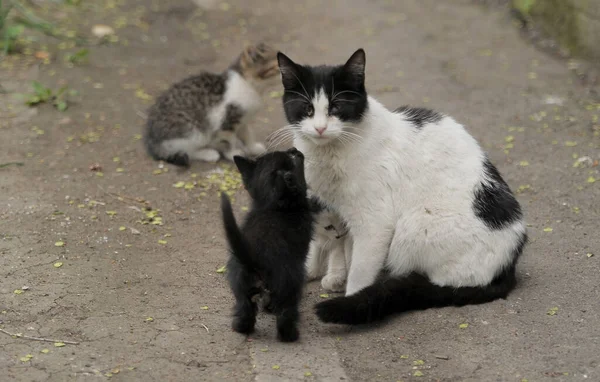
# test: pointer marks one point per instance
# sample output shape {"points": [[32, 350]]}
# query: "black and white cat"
{"points": [[421, 198]]}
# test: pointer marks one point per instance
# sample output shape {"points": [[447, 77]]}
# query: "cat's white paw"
{"points": [[231, 153], [206, 155], [334, 282], [256, 149], [313, 273]]}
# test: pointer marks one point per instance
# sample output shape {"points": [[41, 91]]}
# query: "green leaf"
{"points": [[14, 31], [33, 100], [61, 90], [61, 105], [79, 57], [222, 269], [38, 88]]}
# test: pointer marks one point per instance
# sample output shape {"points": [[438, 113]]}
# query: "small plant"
{"points": [[79, 57], [43, 94], [9, 33]]}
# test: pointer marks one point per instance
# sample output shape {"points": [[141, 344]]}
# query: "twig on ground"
{"points": [[122, 198], [18, 335], [205, 327], [445, 357], [141, 114], [2, 165]]}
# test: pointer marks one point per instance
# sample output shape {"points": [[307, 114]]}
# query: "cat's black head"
{"points": [[323, 102], [275, 179]]}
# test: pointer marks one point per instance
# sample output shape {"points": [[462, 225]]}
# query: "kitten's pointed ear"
{"points": [[244, 165], [355, 66], [289, 71]]}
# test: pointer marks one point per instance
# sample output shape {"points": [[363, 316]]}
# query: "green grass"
{"points": [[42, 94], [14, 18]]}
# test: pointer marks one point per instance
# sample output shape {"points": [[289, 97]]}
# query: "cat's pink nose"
{"points": [[321, 130]]}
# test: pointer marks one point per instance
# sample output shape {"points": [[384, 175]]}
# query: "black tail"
{"points": [[237, 242], [414, 292], [180, 159]]}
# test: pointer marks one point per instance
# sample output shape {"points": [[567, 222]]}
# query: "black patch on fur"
{"points": [[419, 116], [344, 86], [494, 202], [179, 159], [233, 117], [269, 250], [390, 295], [316, 205]]}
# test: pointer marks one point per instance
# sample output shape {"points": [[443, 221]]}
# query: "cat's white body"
{"points": [[407, 196], [205, 146]]}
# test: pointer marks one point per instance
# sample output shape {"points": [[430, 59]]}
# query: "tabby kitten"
{"points": [[268, 252], [204, 116]]}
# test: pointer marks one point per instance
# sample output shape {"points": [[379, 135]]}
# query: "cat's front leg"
{"points": [[369, 251], [335, 279], [314, 261]]}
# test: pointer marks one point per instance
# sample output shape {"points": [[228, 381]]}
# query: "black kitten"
{"points": [[269, 251]]}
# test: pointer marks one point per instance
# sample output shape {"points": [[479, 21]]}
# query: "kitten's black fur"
{"points": [[268, 252]]}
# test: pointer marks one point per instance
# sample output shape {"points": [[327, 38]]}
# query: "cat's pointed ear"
{"points": [[289, 71], [355, 66], [245, 166]]}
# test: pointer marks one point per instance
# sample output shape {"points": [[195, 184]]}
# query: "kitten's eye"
{"points": [[334, 109], [329, 227], [309, 110]]}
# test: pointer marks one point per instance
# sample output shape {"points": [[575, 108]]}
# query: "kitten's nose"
{"points": [[321, 130]]}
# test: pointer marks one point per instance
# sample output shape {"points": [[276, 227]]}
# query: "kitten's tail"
{"points": [[157, 152], [413, 292], [237, 242]]}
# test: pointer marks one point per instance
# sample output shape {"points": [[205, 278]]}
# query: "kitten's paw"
{"points": [[243, 325], [334, 282], [230, 154], [207, 155], [288, 334], [313, 271], [256, 149]]}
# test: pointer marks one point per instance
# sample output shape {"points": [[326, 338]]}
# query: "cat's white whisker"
{"points": [[300, 94], [301, 84], [294, 100], [335, 95]]}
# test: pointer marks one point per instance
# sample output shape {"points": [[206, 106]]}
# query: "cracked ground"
{"points": [[107, 248]]}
